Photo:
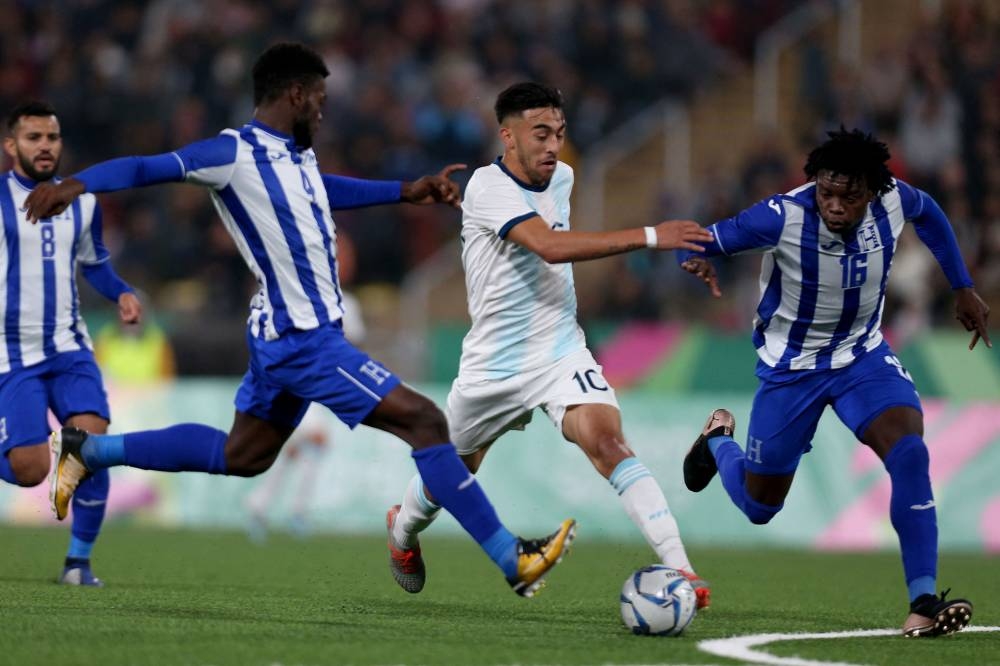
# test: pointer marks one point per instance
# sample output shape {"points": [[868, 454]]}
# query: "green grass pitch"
{"points": [[215, 599]]}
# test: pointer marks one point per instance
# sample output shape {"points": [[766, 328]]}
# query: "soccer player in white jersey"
{"points": [[829, 246], [46, 357], [276, 204], [525, 349]]}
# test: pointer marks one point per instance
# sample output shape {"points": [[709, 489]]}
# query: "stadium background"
{"points": [[676, 108]]}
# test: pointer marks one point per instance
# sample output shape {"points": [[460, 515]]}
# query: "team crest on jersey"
{"points": [[868, 238]]}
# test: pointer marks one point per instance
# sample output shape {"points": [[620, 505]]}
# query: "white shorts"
{"points": [[480, 411]]}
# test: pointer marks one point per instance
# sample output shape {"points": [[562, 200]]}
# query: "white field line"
{"points": [[741, 647]]}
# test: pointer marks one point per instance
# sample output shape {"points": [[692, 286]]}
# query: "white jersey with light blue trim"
{"points": [[39, 305], [822, 293], [523, 309], [271, 198]]}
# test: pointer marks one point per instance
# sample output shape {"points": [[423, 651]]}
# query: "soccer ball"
{"points": [[657, 601]]}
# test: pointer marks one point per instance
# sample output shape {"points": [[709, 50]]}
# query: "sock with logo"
{"points": [[912, 512], [416, 513], [647, 507], [450, 483], [89, 503]]}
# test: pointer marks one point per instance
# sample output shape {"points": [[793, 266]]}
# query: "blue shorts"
{"points": [[69, 383], [786, 409], [319, 365]]}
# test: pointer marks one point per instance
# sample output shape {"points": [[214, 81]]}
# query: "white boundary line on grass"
{"points": [[741, 647]]}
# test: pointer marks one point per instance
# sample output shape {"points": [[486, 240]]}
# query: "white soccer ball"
{"points": [[657, 601]]}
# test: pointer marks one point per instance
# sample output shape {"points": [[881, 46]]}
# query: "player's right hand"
{"points": [[702, 268], [48, 199], [682, 235]]}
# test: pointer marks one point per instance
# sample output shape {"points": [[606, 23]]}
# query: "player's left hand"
{"points": [[48, 199], [973, 312], [129, 308], [439, 188], [703, 269]]}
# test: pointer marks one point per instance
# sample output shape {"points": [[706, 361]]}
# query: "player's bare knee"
{"points": [[29, 464], [425, 424]]}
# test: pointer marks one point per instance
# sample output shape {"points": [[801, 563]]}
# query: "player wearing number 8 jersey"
{"points": [[46, 358], [525, 349], [829, 247]]}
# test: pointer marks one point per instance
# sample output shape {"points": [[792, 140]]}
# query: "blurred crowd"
{"points": [[934, 98], [411, 88]]}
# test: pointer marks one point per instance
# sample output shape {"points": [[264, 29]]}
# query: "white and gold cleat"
{"points": [[536, 557], [68, 469]]}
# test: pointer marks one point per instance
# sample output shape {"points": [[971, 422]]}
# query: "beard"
{"points": [[38, 176], [302, 134]]}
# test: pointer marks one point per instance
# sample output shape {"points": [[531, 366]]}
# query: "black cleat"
{"points": [[699, 463], [932, 615]]}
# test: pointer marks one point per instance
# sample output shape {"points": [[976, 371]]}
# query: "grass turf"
{"points": [[213, 598]]}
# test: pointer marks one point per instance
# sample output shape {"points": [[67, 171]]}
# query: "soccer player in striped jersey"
{"points": [[525, 349], [46, 357], [274, 201], [829, 247]]}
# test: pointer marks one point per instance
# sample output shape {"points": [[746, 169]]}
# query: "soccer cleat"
{"points": [[68, 469], [406, 564], [77, 572], [699, 463], [932, 615], [702, 590], [536, 557]]}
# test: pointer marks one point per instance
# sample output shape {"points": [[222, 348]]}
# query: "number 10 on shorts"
{"points": [[586, 380]]}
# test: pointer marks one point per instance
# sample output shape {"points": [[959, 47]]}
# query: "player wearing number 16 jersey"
{"points": [[829, 247], [525, 349]]}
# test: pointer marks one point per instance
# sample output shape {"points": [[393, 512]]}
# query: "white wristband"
{"points": [[650, 236]]}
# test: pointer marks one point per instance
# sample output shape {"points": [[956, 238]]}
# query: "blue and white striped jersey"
{"points": [[39, 304], [272, 200], [822, 293]]}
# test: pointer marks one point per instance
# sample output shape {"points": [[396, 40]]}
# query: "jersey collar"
{"points": [[520, 183], [288, 140]]}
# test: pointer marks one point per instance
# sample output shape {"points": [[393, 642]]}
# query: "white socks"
{"points": [[416, 513], [647, 507]]}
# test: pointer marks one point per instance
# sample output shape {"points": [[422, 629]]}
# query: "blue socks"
{"points": [[912, 512], [189, 447], [732, 470], [454, 488]]}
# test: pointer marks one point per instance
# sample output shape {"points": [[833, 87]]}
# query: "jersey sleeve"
{"points": [[346, 193], [498, 205], [757, 228], [911, 199], [210, 162]]}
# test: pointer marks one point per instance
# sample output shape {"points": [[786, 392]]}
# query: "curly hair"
{"points": [[854, 154]]}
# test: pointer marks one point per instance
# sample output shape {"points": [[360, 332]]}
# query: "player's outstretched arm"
{"points": [[557, 247], [344, 192], [438, 188], [973, 312], [48, 199]]}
